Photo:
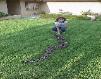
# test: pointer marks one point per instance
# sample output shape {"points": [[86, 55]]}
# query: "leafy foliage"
{"points": [[2, 14]]}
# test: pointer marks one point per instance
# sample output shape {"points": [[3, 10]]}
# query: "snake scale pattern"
{"points": [[62, 43]]}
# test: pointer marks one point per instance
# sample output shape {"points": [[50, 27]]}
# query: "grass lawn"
{"points": [[22, 39]]}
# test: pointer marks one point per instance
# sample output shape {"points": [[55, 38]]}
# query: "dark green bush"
{"points": [[2, 14]]}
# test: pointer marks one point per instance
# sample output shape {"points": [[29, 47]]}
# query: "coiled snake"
{"points": [[62, 43]]}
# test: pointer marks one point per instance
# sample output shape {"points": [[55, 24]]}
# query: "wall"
{"points": [[44, 7], [70, 0], [74, 7], [13, 7], [3, 7], [25, 12]]}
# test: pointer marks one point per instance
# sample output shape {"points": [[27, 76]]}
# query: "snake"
{"points": [[62, 43]]}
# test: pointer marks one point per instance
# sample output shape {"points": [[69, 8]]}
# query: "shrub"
{"points": [[86, 12], [50, 15], [67, 13], [42, 12], [89, 12], [2, 14], [81, 17]]}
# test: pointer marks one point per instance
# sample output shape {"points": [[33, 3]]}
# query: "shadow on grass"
{"points": [[70, 62], [79, 55], [76, 66], [27, 42], [18, 46], [65, 64]]}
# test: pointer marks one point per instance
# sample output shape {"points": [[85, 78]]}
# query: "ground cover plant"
{"points": [[22, 39], [2, 14]]}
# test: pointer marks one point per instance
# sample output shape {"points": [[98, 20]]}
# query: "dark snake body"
{"points": [[50, 49]]}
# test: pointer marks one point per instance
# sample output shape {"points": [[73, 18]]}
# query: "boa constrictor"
{"points": [[62, 43]]}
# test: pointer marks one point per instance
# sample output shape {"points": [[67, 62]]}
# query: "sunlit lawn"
{"points": [[23, 39]]}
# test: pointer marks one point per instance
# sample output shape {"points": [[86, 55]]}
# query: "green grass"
{"points": [[22, 39]]}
